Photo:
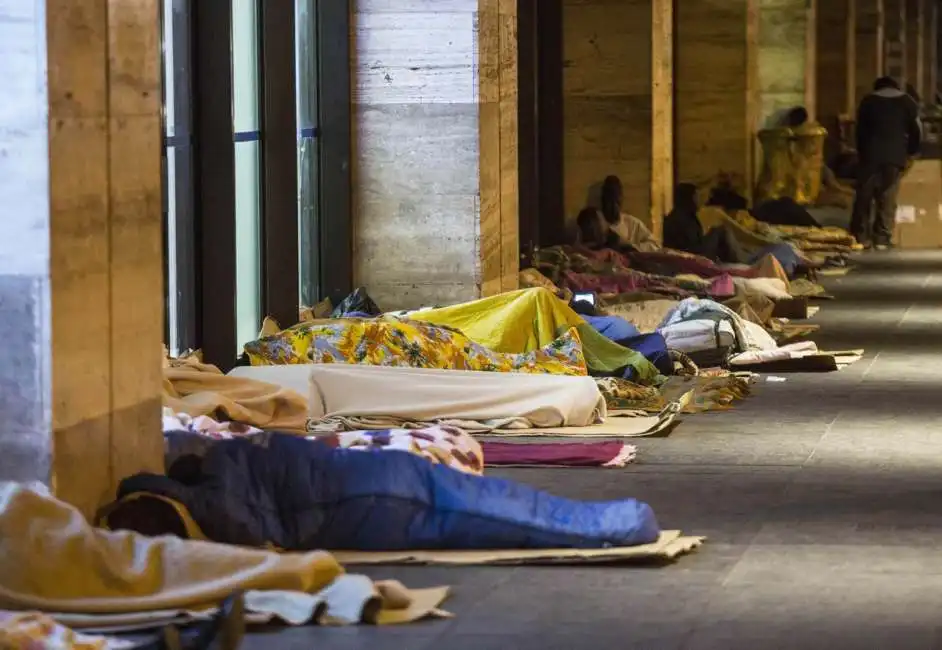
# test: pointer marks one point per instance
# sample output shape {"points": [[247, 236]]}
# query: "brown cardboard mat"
{"points": [[669, 546]]}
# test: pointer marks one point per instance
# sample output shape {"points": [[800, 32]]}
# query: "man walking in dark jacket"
{"points": [[888, 136]]}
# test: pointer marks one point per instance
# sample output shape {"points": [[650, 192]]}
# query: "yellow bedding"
{"points": [[529, 319], [742, 227]]}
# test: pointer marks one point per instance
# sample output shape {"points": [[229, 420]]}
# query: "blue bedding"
{"points": [[297, 494]]}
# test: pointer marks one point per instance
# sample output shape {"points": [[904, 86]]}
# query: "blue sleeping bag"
{"points": [[785, 255], [298, 494], [613, 328]]}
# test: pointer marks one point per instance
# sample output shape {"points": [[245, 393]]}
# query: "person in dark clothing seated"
{"points": [[725, 196], [683, 232], [682, 229], [592, 231], [889, 135]]}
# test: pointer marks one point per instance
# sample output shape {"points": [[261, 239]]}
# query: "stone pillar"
{"points": [[787, 67], [894, 39], [617, 103], [81, 269], [869, 44], [916, 29], [716, 90], [930, 68], [435, 149], [836, 60]]}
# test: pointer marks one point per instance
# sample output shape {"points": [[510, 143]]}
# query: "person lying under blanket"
{"points": [[285, 492]]}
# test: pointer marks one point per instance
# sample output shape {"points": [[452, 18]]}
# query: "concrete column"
{"points": [[916, 30], [930, 68], [617, 102], [81, 268], [435, 149], [787, 67], [836, 60], [716, 90], [869, 44], [894, 38]]}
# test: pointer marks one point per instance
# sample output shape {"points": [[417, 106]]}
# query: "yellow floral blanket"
{"points": [[407, 343]]}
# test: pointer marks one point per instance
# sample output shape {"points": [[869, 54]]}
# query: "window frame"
{"points": [[335, 127], [183, 244], [210, 234]]}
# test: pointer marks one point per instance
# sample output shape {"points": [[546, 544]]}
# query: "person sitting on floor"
{"points": [[626, 229], [683, 231], [724, 195], [591, 229]]}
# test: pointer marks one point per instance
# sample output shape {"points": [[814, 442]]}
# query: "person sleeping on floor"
{"points": [[291, 493]]}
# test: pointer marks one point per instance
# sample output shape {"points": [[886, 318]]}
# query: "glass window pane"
{"points": [[248, 236], [245, 120], [308, 144], [170, 250], [177, 175], [306, 62], [245, 65], [166, 45]]}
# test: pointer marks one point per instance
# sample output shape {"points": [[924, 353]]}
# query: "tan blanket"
{"points": [[199, 389], [53, 560], [432, 395]]}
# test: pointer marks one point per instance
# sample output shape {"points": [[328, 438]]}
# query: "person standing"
{"points": [[889, 135]]}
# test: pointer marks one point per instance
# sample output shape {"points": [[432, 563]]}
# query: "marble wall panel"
{"points": [[836, 66], [435, 216], [81, 293], [617, 103], [869, 46], [716, 90]]}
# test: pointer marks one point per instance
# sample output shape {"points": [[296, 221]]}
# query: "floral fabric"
{"points": [[441, 445], [624, 395], [34, 631], [711, 390], [391, 342]]}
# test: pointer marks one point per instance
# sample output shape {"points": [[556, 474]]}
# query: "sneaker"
{"points": [[883, 247]]}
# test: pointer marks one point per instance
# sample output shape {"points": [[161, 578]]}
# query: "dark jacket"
{"points": [[888, 128], [682, 230]]}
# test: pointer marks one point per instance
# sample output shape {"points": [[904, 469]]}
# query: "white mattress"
{"points": [[699, 334], [362, 390]]}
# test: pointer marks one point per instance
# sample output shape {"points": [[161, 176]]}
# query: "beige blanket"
{"points": [[431, 395], [53, 560], [199, 389]]}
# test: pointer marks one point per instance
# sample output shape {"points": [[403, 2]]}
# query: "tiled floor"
{"points": [[821, 497]]}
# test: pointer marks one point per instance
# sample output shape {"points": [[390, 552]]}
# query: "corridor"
{"points": [[819, 496]]}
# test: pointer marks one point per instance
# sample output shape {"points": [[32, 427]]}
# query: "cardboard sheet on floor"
{"points": [[821, 362], [671, 545]]}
